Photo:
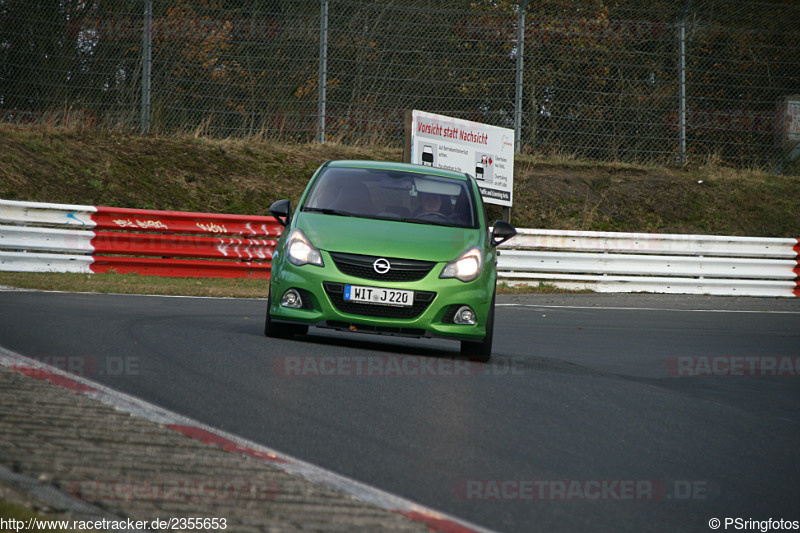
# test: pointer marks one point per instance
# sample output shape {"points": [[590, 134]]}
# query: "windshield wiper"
{"points": [[421, 221], [327, 211]]}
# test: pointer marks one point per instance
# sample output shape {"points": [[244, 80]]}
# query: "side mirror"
{"points": [[282, 211], [501, 232]]}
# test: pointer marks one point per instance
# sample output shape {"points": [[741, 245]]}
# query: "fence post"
{"points": [[323, 71], [147, 56], [682, 84], [520, 60]]}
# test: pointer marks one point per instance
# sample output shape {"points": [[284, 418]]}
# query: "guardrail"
{"points": [[37, 237], [645, 262], [33, 238]]}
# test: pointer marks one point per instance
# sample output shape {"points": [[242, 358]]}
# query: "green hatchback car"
{"points": [[387, 248]]}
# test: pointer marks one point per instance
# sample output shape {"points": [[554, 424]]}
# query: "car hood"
{"points": [[386, 237]]}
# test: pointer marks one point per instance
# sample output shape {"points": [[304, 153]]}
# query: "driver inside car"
{"points": [[429, 203]]}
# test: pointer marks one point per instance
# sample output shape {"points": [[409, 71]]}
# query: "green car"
{"points": [[387, 248]]}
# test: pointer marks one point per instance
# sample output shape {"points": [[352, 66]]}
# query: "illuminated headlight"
{"points": [[466, 267], [300, 251]]}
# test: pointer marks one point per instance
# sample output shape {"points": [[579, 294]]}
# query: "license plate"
{"points": [[377, 295]]}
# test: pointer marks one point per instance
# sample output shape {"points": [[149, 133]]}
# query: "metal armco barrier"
{"points": [[645, 262], [37, 237], [34, 238]]}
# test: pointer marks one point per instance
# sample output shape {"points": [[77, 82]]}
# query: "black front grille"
{"points": [[335, 291], [360, 266]]}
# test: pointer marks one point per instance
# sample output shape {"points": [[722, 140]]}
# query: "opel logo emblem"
{"points": [[381, 265]]}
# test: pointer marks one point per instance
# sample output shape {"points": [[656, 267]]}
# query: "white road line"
{"points": [[606, 308]]}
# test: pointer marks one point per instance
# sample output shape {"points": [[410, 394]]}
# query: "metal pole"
{"points": [[682, 92], [520, 60], [147, 57], [682, 84], [323, 72]]}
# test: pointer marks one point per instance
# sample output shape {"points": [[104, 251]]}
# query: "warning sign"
{"points": [[486, 152]]}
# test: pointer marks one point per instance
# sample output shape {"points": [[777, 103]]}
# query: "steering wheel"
{"points": [[432, 213]]}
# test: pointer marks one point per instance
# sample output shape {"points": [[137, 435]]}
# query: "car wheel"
{"points": [[481, 351], [278, 330]]}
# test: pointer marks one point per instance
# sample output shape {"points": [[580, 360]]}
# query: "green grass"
{"points": [[113, 283], [540, 288]]}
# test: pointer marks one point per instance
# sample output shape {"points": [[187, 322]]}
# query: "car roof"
{"points": [[392, 165]]}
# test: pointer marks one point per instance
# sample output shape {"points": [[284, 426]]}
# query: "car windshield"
{"points": [[392, 195]]}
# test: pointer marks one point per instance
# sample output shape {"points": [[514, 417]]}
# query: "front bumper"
{"points": [[431, 315]]}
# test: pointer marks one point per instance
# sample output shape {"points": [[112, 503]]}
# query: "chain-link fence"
{"points": [[629, 80]]}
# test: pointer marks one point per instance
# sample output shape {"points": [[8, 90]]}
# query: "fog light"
{"points": [[291, 298], [465, 315]]}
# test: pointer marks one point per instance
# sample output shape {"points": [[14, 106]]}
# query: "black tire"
{"points": [[278, 330], [481, 351], [270, 327]]}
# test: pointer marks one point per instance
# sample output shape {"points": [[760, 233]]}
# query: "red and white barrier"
{"points": [[163, 243], [74, 238]]}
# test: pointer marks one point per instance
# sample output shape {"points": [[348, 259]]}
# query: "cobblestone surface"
{"points": [[134, 468]]}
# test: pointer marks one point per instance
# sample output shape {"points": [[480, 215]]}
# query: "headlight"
{"points": [[300, 251], [466, 267]]}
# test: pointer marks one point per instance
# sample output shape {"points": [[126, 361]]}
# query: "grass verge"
{"points": [[113, 283], [245, 176]]}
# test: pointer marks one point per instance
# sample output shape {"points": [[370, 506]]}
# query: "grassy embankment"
{"points": [[246, 176]]}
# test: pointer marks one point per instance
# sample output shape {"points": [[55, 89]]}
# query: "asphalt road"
{"points": [[586, 419]]}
